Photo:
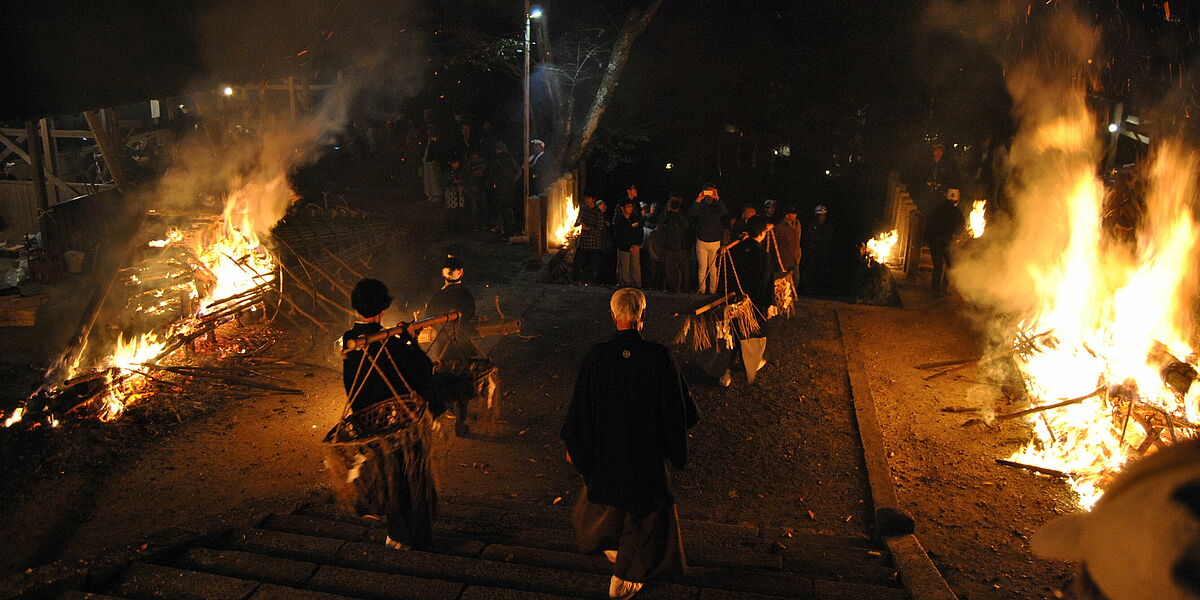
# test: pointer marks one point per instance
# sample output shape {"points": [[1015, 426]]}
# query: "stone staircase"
{"points": [[484, 550]]}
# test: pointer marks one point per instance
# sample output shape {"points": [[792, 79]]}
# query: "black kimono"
{"points": [[412, 499], [628, 419], [452, 340], [754, 272]]}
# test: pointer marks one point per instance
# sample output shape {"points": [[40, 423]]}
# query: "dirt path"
{"points": [[974, 516], [766, 454]]}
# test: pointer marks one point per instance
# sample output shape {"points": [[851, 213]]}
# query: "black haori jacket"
{"points": [[415, 368], [628, 418]]}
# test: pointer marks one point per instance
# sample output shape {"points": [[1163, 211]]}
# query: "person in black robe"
{"points": [[754, 274], [627, 422], [399, 366], [452, 341], [945, 224]]}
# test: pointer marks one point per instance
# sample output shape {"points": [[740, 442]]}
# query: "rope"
{"points": [[358, 385]]}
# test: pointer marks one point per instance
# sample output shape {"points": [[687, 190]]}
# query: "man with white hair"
{"points": [[627, 421]]}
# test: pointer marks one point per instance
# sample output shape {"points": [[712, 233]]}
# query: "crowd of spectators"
{"points": [[676, 246]]}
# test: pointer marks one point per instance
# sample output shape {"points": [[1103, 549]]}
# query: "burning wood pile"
{"points": [[156, 324], [1099, 333]]}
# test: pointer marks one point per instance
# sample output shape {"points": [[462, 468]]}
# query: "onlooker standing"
{"points": [[537, 166], [591, 239], [787, 237], [431, 165], [628, 236], [455, 192], [475, 180], [708, 214], [676, 244], [505, 175], [627, 421], [945, 224], [770, 210], [606, 272], [818, 251]]}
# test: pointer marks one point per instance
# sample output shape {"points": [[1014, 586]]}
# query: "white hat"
{"points": [[820, 209]]}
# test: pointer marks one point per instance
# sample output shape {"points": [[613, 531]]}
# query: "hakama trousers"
{"points": [[648, 545]]}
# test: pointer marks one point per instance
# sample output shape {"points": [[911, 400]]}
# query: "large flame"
{"points": [[880, 247], [977, 221], [232, 260], [1105, 318], [561, 221]]}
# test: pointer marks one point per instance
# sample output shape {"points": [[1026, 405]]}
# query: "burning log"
{"points": [[1038, 409], [1024, 345]]}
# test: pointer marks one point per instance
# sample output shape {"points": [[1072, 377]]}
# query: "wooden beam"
{"points": [[58, 133], [39, 179], [109, 149], [25, 157], [7, 151]]}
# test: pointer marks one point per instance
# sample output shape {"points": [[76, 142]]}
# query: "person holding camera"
{"points": [[708, 216]]}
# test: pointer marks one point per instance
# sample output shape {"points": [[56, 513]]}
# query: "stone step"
{"points": [[461, 522], [144, 581], [287, 557], [511, 512], [366, 557], [727, 566]]}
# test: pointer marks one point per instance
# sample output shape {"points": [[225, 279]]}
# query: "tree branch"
{"points": [[635, 24]]}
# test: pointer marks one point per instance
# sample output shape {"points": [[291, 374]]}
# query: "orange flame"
{"points": [[561, 222], [1109, 309], [977, 221], [880, 247]]}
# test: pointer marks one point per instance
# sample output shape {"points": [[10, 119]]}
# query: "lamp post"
{"points": [[530, 14]]}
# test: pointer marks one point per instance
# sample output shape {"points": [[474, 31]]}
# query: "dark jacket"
{"points": [[675, 231], [415, 369], [455, 296], [628, 418], [709, 220], [754, 273], [787, 237], [944, 224], [627, 232]]}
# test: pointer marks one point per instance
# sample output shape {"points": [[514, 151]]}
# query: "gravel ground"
{"points": [[782, 452], [974, 516]]}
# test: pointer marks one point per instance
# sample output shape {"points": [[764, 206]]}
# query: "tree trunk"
{"points": [[635, 24]]}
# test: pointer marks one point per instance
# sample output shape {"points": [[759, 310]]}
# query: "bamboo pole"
{"points": [[410, 328]]}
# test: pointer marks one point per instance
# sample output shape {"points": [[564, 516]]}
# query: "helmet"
{"points": [[820, 209]]}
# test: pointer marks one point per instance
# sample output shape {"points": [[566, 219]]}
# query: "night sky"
{"points": [[831, 78]]}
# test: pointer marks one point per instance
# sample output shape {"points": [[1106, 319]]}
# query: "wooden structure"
{"points": [[903, 216]]}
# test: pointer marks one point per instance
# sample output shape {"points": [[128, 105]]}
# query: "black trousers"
{"points": [[648, 545], [678, 268], [587, 260], [940, 282]]}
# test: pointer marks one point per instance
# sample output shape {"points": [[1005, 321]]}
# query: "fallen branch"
{"points": [[232, 379], [1034, 468], [964, 363], [1030, 411]]}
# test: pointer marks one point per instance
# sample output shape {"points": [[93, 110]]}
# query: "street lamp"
{"points": [[530, 14]]}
